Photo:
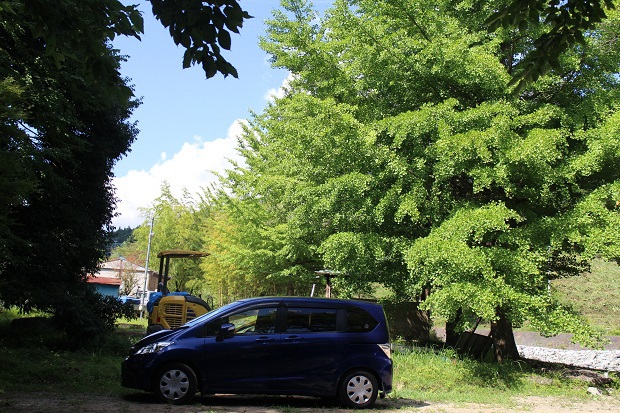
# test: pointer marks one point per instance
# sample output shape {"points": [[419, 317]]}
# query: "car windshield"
{"points": [[211, 314]]}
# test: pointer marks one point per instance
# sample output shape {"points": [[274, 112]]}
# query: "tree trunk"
{"points": [[452, 336], [503, 338]]}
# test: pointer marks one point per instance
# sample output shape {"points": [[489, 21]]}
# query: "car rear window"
{"points": [[360, 321], [307, 320]]}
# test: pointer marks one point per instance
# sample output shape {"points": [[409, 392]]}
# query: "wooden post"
{"points": [[328, 286]]}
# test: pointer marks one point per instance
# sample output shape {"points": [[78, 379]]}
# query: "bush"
{"points": [[88, 317]]}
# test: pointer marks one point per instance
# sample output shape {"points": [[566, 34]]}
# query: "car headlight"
{"points": [[154, 347]]}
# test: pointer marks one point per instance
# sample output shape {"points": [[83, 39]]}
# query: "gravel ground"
{"points": [[605, 360]]}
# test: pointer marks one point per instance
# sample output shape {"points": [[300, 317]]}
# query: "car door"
{"points": [[311, 350], [242, 362]]}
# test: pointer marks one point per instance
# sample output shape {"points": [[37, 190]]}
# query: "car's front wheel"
{"points": [[358, 390], [176, 383]]}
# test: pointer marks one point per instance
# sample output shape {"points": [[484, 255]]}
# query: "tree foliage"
{"points": [[202, 28], [566, 23], [63, 125], [64, 122], [401, 156], [174, 227]]}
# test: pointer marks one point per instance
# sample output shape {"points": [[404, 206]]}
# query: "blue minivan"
{"points": [[270, 345]]}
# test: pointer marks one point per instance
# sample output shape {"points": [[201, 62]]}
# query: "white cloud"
{"points": [[273, 94], [279, 93], [191, 168]]}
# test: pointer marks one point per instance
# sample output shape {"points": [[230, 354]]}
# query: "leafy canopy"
{"points": [[401, 155], [567, 23]]}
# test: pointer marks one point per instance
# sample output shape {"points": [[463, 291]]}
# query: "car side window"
{"points": [[252, 321], [310, 320], [359, 321]]}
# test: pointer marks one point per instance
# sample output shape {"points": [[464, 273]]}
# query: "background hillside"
{"points": [[595, 294]]}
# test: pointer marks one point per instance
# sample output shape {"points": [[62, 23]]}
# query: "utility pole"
{"points": [[146, 269]]}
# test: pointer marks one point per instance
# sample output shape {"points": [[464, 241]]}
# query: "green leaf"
{"points": [[223, 38], [187, 58], [209, 67], [186, 40]]}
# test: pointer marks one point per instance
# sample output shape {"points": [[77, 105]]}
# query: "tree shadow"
{"points": [[511, 374]]}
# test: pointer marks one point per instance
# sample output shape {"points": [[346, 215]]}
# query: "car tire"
{"points": [[176, 383], [358, 390]]}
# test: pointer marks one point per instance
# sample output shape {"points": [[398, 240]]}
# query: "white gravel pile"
{"points": [[606, 360]]}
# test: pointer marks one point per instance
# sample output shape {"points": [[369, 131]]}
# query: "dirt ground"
{"points": [[144, 403]]}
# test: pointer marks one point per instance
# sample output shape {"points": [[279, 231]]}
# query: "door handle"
{"points": [[294, 338], [264, 340]]}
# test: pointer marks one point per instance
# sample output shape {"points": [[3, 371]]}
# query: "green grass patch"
{"points": [[135, 323], [596, 295], [423, 374], [41, 369]]}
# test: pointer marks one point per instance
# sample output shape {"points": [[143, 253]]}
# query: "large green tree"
{"points": [[402, 155], [64, 122], [295, 154], [64, 125]]}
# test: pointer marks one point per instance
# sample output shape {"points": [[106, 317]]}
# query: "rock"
{"points": [[604, 360], [595, 391]]}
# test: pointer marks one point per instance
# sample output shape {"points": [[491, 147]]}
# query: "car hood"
{"points": [[152, 338]]}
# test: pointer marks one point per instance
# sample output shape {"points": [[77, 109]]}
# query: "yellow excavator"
{"points": [[167, 310]]}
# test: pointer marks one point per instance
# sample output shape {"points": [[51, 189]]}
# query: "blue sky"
{"points": [[188, 124]]}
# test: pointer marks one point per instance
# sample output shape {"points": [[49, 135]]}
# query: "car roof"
{"points": [[320, 301]]}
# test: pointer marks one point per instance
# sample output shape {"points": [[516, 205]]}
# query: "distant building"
{"points": [[120, 277], [106, 285]]}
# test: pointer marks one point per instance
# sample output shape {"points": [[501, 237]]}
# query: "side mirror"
{"points": [[227, 330]]}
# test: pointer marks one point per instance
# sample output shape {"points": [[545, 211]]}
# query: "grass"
{"points": [[41, 369], [38, 362], [419, 373], [596, 295], [422, 374]]}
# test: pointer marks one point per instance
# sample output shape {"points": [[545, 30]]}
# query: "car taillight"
{"points": [[387, 349]]}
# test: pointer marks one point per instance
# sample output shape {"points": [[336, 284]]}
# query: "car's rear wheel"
{"points": [[358, 390], [176, 383]]}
